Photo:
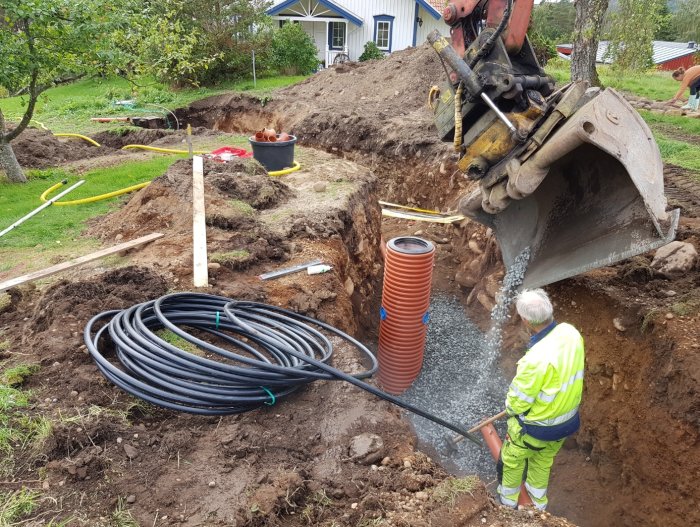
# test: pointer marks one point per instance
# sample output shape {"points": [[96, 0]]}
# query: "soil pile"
{"points": [[36, 148]]}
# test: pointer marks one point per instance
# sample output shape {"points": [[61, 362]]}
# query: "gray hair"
{"points": [[534, 306]]}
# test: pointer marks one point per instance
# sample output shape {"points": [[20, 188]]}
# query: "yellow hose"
{"points": [[286, 171], [458, 119], [433, 94], [161, 150], [91, 141], [91, 199]]}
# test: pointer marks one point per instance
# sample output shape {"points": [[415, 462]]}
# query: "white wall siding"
{"points": [[403, 11]]}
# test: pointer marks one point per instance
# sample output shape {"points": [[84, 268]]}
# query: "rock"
{"points": [[353, 505], [669, 316], [366, 448], [130, 451], [131, 499], [320, 186], [421, 495], [349, 286], [618, 325], [675, 258], [213, 266], [406, 463], [118, 237], [670, 293], [212, 484], [474, 247], [465, 278], [386, 461]]}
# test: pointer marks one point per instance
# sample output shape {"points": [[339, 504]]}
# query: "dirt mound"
{"points": [[126, 136], [37, 148]]}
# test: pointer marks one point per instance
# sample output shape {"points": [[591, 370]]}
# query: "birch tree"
{"points": [[589, 21]]}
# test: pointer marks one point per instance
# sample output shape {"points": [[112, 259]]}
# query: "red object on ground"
{"points": [[408, 275], [494, 443], [225, 151]]}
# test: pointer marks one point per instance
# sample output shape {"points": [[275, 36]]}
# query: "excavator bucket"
{"points": [[590, 196]]}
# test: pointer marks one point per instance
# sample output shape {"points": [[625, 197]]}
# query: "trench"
{"points": [[598, 478]]}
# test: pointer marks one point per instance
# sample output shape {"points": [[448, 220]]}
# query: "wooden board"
{"points": [[36, 275], [199, 227]]}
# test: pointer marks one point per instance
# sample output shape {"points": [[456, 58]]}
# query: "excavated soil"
{"points": [[634, 462], [37, 148]]}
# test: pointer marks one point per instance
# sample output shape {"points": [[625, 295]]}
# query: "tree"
{"points": [[664, 27], [686, 21], [44, 42], [554, 21], [632, 33], [589, 20], [294, 51]]}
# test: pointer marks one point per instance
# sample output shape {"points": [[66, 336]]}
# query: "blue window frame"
{"points": [[337, 35], [383, 31]]}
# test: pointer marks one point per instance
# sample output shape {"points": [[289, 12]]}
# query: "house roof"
{"points": [[434, 7], [328, 4], [662, 52]]}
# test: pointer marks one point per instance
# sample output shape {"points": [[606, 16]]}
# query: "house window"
{"points": [[383, 29], [336, 35]]}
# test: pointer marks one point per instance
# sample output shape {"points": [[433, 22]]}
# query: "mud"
{"points": [[37, 148]]}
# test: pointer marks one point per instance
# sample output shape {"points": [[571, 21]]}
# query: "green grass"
{"points": [[16, 505], [177, 341], [121, 517], [656, 85], [56, 225], [18, 430], [671, 123], [68, 108], [679, 153], [16, 375], [449, 490], [242, 207]]}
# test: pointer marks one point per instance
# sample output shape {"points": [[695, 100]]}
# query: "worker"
{"points": [[542, 402], [688, 79]]}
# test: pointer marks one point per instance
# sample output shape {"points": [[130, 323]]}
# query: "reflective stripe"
{"points": [[525, 397], [534, 492], [507, 502], [578, 376], [553, 421], [507, 491]]}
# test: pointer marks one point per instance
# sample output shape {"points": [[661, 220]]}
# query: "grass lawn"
{"points": [[54, 234], [68, 108], [679, 153], [656, 85]]}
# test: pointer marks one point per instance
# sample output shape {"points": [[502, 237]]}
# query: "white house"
{"points": [[341, 28]]}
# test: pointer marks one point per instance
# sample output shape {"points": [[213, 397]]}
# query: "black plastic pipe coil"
{"points": [[283, 351]]}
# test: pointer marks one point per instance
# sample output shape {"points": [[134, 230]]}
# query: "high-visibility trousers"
{"points": [[524, 457]]}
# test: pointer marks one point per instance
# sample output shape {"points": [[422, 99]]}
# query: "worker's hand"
{"points": [[671, 102]]}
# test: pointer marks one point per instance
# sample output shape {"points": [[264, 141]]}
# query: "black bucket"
{"points": [[274, 156]]}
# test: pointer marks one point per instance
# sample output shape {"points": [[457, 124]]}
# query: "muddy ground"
{"points": [[634, 462]]}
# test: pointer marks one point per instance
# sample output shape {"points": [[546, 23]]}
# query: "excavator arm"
{"points": [[572, 176]]}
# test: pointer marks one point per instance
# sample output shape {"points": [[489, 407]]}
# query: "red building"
{"points": [[668, 56]]}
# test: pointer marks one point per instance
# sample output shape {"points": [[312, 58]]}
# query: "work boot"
{"points": [[689, 105], [694, 103]]}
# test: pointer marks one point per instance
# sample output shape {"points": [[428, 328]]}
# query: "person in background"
{"points": [[542, 402], [688, 79]]}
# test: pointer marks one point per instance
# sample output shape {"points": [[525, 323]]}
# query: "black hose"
{"points": [[488, 45], [282, 352]]}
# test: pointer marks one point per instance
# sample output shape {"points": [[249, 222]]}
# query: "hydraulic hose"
{"points": [[79, 136], [92, 199], [488, 45], [277, 352], [277, 173], [162, 150]]}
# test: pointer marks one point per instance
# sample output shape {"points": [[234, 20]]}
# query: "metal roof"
{"points": [[663, 51]]}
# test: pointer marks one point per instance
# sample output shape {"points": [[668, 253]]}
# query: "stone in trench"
{"points": [[349, 286], [130, 451], [320, 186], [366, 448], [675, 258]]}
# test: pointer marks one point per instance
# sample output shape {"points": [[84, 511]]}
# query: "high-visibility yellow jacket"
{"points": [[547, 388]]}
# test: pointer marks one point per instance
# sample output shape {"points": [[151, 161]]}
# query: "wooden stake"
{"points": [[199, 227], [36, 275]]}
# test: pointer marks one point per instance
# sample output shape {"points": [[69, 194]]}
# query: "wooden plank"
{"points": [[199, 227], [36, 275]]}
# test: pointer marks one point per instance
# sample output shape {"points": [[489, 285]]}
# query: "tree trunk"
{"points": [[9, 164], [589, 20], [8, 161]]}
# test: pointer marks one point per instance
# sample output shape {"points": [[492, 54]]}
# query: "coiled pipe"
{"points": [[276, 352]]}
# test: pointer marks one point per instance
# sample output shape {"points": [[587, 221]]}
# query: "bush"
{"points": [[544, 48], [371, 52], [293, 51]]}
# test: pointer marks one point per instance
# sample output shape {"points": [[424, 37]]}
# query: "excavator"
{"points": [[571, 175]]}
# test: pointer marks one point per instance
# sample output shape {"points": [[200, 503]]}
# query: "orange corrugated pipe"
{"points": [[494, 443], [408, 274]]}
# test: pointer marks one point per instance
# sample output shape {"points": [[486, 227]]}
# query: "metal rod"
{"points": [[288, 270], [43, 206], [499, 113]]}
